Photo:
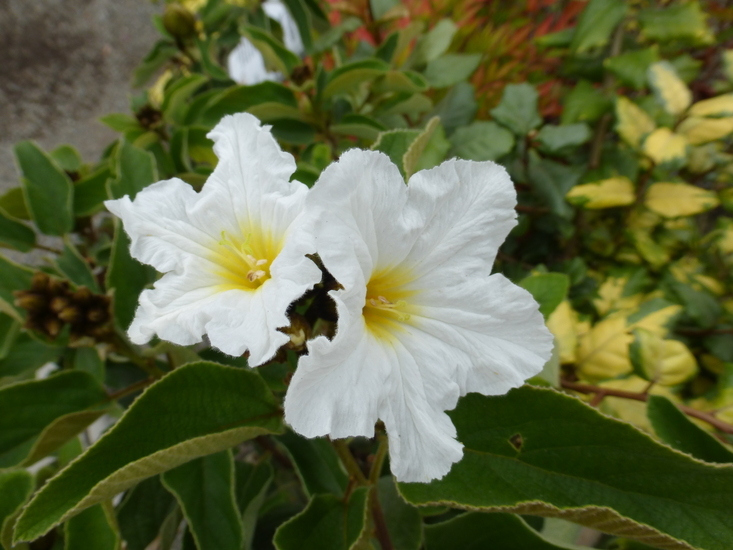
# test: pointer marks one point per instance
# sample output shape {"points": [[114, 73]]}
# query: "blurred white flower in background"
{"points": [[246, 65]]}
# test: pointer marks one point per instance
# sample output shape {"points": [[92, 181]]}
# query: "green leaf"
{"points": [[27, 354], [358, 126], [9, 329], [253, 481], [15, 487], [15, 277], [477, 531], [584, 103], [404, 522], [204, 488], [539, 452], [15, 234], [671, 92], [327, 522], [349, 77], [293, 131], [142, 513], [48, 191], [88, 360], [549, 289], [198, 409], [67, 158], [400, 82], [38, 416], [13, 202], [451, 69], [433, 44], [121, 122], [127, 277], [457, 108], [316, 463], [92, 529], [680, 21], [176, 96], [481, 140], [596, 23], [276, 55], [518, 109], [381, 7], [395, 143], [75, 268], [428, 150], [241, 98], [90, 192], [558, 139], [678, 431], [631, 67], [551, 181], [334, 34], [135, 171]]}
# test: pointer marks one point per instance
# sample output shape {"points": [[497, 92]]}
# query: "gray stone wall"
{"points": [[64, 63]]}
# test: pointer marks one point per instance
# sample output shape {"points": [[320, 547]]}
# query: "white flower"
{"points": [[231, 268], [246, 65], [420, 319]]}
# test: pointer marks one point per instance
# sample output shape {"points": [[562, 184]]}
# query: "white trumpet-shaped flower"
{"points": [[231, 270], [420, 319]]}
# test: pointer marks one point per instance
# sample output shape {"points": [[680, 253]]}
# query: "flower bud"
{"points": [[179, 22]]}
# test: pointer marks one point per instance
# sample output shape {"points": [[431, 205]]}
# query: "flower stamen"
{"points": [[384, 306], [246, 254]]}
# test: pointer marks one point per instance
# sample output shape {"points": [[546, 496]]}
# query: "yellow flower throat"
{"points": [[386, 307], [245, 264]]}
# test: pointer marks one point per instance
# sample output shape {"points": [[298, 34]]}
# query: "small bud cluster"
{"points": [[51, 304]]}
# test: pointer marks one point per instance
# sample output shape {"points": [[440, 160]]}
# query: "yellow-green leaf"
{"points": [[672, 200], [715, 106], [670, 90], [632, 122], [665, 362], [618, 191], [663, 146], [698, 130], [603, 352], [562, 323]]}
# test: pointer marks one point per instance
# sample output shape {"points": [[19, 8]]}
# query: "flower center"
{"points": [[383, 306], [387, 307], [242, 266]]}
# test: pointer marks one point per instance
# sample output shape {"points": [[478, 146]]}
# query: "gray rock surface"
{"points": [[63, 64]]}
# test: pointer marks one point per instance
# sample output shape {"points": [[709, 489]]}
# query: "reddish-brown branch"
{"points": [[689, 411], [137, 386]]}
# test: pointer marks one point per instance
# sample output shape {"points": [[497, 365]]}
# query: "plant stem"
{"points": [[40, 246], [689, 411], [380, 525], [348, 460], [378, 460]]}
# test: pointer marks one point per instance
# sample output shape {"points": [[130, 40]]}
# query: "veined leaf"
{"points": [[672, 200], [481, 140], [665, 362], [327, 522], [715, 106], [349, 77], [606, 193], [562, 323], [665, 147], [670, 90], [518, 109], [678, 431], [603, 352], [698, 130], [633, 123], [536, 451], [596, 23], [198, 409]]}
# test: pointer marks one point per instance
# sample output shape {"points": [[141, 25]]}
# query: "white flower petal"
{"points": [[198, 240], [246, 65], [421, 322], [291, 36]]}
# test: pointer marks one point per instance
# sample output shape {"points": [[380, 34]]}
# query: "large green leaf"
{"points": [[91, 191], [327, 523], [596, 24], [518, 109], [678, 431], [551, 181], [142, 513], [457, 108], [451, 69], [135, 171], [26, 354], [476, 531], [15, 487], [558, 139], [127, 277], [49, 192], [433, 43], [631, 67], [242, 98], [38, 416], [198, 409], [404, 522], [204, 488], [253, 481], [92, 529], [75, 268], [680, 21], [537, 451], [276, 55], [316, 463]]}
